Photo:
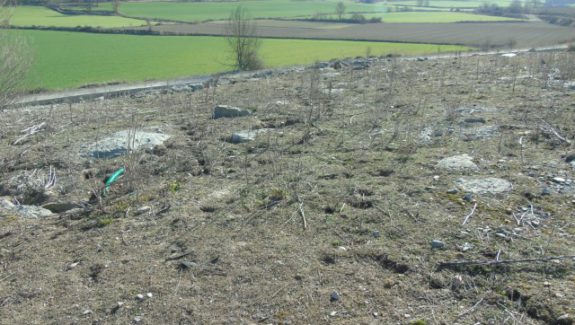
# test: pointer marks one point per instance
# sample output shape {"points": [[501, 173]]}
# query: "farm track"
{"points": [[77, 95]]}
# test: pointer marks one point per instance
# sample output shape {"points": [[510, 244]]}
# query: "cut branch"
{"points": [[469, 215], [302, 212]]}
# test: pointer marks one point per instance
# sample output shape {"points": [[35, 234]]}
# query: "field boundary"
{"points": [[145, 32], [197, 82]]}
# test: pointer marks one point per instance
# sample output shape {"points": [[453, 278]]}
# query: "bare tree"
{"points": [[243, 41], [14, 57], [116, 7], [6, 8], [340, 9]]}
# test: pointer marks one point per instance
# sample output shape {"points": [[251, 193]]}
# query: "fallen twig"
{"points": [[467, 311], [30, 131], [51, 180], [470, 214], [552, 130], [443, 265], [177, 257], [302, 212]]}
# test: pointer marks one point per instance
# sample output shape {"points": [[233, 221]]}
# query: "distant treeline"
{"points": [[552, 11]]}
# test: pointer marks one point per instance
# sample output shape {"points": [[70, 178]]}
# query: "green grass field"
{"points": [[201, 11], [464, 4], [41, 16], [435, 17], [67, 60]]}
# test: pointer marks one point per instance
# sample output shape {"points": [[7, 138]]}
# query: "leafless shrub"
{"points": [[243, 41]]}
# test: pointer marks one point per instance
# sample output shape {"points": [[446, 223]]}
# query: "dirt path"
{"points": [[76, 95]]}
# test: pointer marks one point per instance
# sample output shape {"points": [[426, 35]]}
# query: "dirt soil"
{"points": [[480, 35], [337, 213]]}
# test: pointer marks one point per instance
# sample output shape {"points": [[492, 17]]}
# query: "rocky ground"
{"points": [[356, 192]]}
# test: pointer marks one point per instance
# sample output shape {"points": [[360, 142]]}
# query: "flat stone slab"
{"points": [[221, 111], [246, 135], [122, 142], [458, 163], [25, 211], [490, 185], [480, 133]]}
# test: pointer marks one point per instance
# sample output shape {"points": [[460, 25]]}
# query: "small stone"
{"points": [[87, 312], [564, 319], [334, 296], [333, 313], [452, 191], [142, 210], [437, 244], [559, 180], [547, 284], [468, 197], [376, 234], [436, 178], [185, 264], [559, 295], [466, 246], [546, 191], [149, 295], [140, 296], [138, 319], [341, 248], [246, 135], [375, 314], [73, 265]]}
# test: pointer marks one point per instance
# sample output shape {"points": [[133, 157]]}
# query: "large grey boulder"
{"points": [[458, 163], [122, 142], [489, 185], [25, 211], [229, 111]]}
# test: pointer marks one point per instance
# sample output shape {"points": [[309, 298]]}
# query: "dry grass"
{"points": [[223, 240]]}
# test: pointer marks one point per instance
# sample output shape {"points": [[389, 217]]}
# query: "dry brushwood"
{"points": [[30, 131]]}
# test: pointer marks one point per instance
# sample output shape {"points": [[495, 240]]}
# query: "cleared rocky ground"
{"points": [[355, 192]]}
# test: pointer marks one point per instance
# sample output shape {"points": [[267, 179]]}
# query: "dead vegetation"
{"points": [[328, 216]]}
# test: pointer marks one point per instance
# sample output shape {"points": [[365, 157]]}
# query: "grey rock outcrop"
{"points": [[458, 163], [221, 111], [489, 185], [122, 142], [25, 211]]}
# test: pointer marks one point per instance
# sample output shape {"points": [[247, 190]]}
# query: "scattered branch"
{"points": [[443, 265], [470, 214], [30, 131], [549, 129], [467, 311], [50, 181], [302, 212]]}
